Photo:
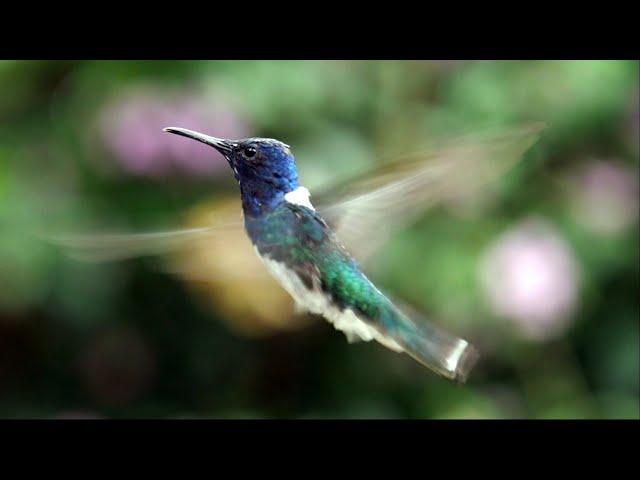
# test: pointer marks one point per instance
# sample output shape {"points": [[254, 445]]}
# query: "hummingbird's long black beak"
{"points": [[225, 147]]}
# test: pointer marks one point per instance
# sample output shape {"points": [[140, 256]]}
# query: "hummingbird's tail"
{"points": [[445, 354]]}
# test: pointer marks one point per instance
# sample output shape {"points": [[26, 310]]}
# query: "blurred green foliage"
{"points": [[124, 340]]}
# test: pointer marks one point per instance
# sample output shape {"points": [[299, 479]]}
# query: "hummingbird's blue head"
{"points": [[264, 168]]}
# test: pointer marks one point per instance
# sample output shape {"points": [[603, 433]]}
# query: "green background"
{"points": [[127, 340]]}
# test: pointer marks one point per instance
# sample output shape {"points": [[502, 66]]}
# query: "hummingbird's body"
{"points": [[303, 254], [300, 250]]}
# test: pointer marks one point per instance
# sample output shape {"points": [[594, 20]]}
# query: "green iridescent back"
{"points": [[299, 238]]}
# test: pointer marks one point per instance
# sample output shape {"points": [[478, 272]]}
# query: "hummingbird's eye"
{"points": [[249, 152]]}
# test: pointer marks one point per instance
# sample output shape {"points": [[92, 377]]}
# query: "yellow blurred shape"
{"points": [[224, 268]]}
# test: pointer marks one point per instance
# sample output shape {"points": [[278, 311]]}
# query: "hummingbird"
{"points": [[310, 251]]}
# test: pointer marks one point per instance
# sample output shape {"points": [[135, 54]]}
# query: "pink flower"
{"points": [[605, 197], [131, 128], [530, 277]]}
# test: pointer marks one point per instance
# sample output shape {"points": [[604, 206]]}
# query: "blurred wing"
{"points": [[367, 211], [363, 213], [120, 246]]}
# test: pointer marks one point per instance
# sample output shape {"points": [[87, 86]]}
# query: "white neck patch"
{"points": [[300, 196]]}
